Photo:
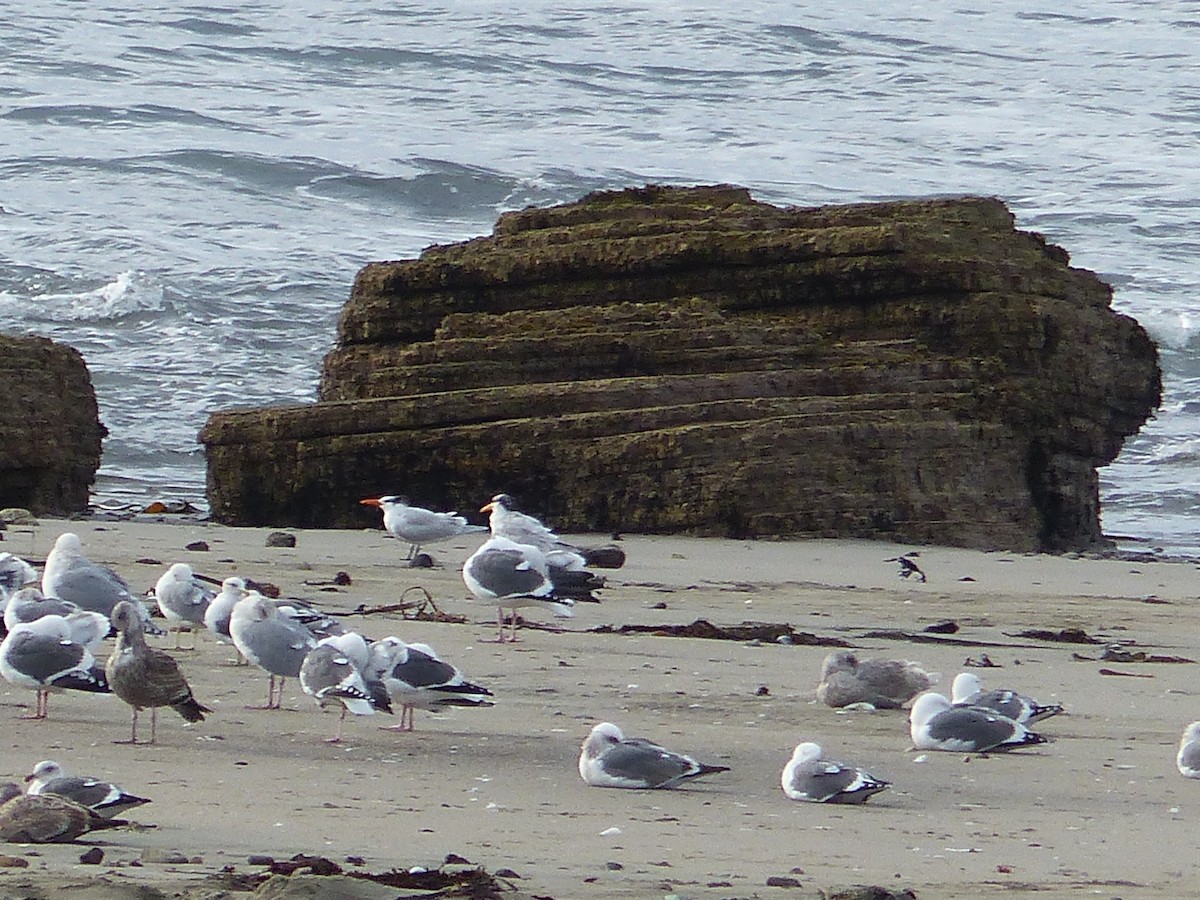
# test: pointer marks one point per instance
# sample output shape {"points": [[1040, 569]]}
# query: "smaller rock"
{"points": [[13, 862], [92, 857], [281, 539], [783, 881], [342, 579], [260, 859], [421, 561], [201, 546], [163, 857], [613, 866]]}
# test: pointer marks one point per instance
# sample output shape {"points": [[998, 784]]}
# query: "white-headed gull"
{"points": [[416, 525], [967, 690], [69, 575], [416, 678], [182, 599], [15, 573], [29, 603], [514, 576], [1188, 757], [609, 759], [144, 677], [936, 724], [329, 674], [103, 797], [807, 776], [271, 641], [41, 656], [882, 683]]}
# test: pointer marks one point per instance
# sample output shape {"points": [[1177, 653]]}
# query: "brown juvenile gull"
{"points": [[416, 525], [270, 640], [145, 677], [1188, 757], [41, 656], [967, 690], [882, 683], [808, 776], [936, 724], [415, 677], [37, 819], [102, 797], [609, 759], [182, 600]]}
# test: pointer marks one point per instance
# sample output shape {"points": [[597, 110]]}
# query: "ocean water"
{"points": [[186, 194]]}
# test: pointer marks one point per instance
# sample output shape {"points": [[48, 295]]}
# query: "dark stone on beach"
{"points": [[51, 427], [198, 546], [679, 360], [92, 857], [281, 539]]}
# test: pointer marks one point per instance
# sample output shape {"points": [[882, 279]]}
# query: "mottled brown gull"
{"points": [[144, 677], [882, 683]]}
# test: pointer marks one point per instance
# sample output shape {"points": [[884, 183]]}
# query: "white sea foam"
{"points": [[128, 293]]}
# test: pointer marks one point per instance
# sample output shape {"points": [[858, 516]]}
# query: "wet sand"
{"points": [[1101, 810]]}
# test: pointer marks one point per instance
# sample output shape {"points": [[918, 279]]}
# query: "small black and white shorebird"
{"points": [[936, 724], [809, 776], [609, 759], [103, 797], [418, 526]]}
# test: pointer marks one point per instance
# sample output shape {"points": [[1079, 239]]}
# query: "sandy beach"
{"points": [[1101, 810]]}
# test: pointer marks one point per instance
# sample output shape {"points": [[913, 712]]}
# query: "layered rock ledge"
{"points": [[51, 427], [692, 360]]}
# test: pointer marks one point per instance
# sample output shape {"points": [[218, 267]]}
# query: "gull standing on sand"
{"points": [[102, 797], [69, 575], [1188, 757], [416, 678], [271, 641], [182, 600], [808, 776], [145, 677], [881, 683], [513, 576], [609, 759], [936, 724], [505, 520], [416, 525], [328, 673], [41, 656], [967, 690]]}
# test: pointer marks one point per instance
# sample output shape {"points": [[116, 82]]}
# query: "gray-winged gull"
{"points": [[41, 656], [69, 575], [514, 576], [416, 525], [882, 683], [936, 724], [417, 678], [967, 690], [29, 603], [609, 759], [329, 674], [145, 677], [15, 573], [182, 599], [1188, 757], [102, 797], [271, 641], [807, 776]]}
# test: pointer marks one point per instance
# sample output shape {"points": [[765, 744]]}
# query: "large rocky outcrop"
{"points": [[50, 424], [670, 359]]}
